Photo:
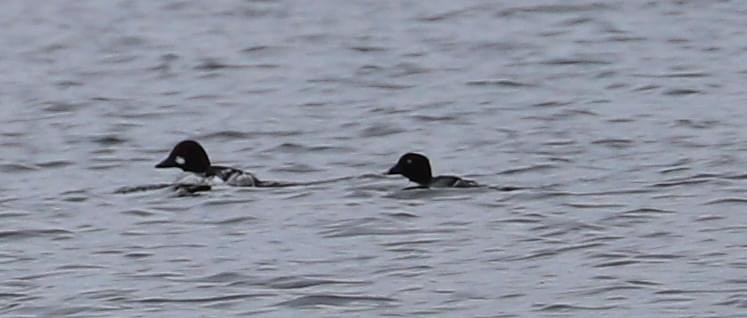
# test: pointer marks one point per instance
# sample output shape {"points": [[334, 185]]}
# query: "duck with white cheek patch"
{"points": [[417, 168], [189, 156]]}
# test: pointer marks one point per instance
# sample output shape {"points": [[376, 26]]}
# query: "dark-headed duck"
{"points": [[189, 156], [417, 168]]}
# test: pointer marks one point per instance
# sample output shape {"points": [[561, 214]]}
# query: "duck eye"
{"points": [[408, 161], [180, 160]]}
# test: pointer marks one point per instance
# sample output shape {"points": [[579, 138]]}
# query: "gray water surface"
{"points": [[623, 119]]}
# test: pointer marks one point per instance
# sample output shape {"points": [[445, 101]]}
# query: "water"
{"points": [[623, 119]]}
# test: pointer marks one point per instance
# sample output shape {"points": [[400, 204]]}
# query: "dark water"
{"points": [[624, 119]]}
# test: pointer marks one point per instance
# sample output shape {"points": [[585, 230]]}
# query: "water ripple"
{"points": [[36, 233], [334, 300], [222, 298]]}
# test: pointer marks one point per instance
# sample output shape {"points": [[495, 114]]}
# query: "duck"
{"points": [[190, 156], [417, 168]]}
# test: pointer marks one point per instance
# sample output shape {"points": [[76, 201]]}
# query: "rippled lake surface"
{"points": [[623, 120]]}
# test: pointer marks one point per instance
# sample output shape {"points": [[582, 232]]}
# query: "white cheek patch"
{"points": [[180, 160]]}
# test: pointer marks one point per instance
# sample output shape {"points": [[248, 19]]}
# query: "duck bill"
{"points": [[395, 170], [166, 163]]}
